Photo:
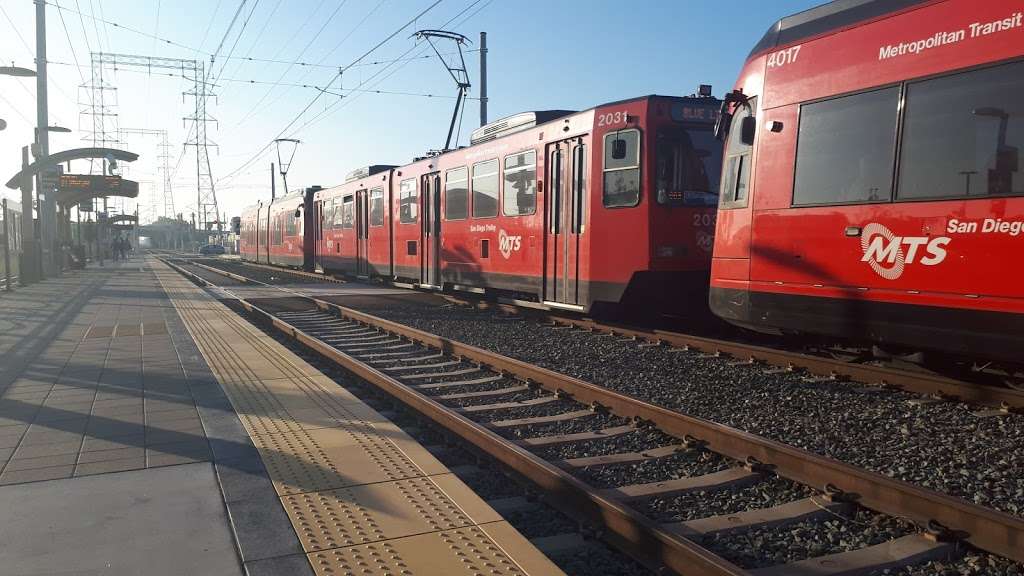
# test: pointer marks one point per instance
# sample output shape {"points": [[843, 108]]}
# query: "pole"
{"points": [[483, 78], [273, 182], [47, 200], [6, 220], [29, 247]]}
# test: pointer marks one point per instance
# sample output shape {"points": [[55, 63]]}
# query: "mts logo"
{"points": [[889, 254], [508, 244]]}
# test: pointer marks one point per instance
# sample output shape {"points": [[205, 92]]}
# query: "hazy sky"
{"points": [[543, 54]]}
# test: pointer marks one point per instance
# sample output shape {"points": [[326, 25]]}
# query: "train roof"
{"points": [[826, 18]]}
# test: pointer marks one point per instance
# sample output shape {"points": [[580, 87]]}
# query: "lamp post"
{"points": [[27, 219]]}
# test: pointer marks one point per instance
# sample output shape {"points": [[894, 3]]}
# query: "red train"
{"points": [[871, 188], [566, 209]]}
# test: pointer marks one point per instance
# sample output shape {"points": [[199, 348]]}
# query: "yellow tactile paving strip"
{"points": [[363, 497]]}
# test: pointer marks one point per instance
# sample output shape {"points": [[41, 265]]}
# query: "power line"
{"points": [[339, 104], [319, 94], [256, 40], [331, 52], [235, 44], [285, 73], [122, 27]]}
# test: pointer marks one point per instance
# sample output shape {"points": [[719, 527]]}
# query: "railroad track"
{"points": [[530, 419], [1000, 399]]}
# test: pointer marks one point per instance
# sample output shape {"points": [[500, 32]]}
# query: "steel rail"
{"points": [[625, 528], [996, 532], [990, 530], [910, 381]]}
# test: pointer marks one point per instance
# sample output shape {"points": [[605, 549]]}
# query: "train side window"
{"points": [[520, 184], [621, 169], [348, 212], [846, 149], [456, 194], [579, 187], [963, 135], [289, 224], [377, 207], [735, 185], [485, 189], [408, 202]]}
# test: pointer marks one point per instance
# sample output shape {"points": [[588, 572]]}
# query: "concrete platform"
{"points": [[145, 428], [119, 451]]}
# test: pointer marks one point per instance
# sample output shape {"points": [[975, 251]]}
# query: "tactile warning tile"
{"points": [[308, 460], [472, 550], [373, 512]]}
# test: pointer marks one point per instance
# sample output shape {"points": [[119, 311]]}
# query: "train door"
{"points": [[319, 245], [430, 192], [362, 233], [565, 203]]}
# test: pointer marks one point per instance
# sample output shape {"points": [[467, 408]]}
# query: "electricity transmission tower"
{"points": [[163, 158], [193, 71]]}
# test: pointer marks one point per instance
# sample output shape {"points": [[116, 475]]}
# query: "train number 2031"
{"points": [[612, 118]]}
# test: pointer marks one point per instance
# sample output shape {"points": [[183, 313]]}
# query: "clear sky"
{"points": [[543, 54]]}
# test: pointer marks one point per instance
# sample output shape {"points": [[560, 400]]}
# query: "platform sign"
{"points": [[85, 206], [49, 179], [98, 184]]}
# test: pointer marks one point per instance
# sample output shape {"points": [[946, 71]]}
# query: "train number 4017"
{"points": [[784, 57]]}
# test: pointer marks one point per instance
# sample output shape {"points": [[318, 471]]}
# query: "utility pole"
{"points": [[47, 199], [273, 182], [483, 78]]}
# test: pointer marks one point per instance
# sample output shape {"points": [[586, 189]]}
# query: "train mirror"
{"points": [[747, 130], [618, 149], [723, 122], [298, 213]]}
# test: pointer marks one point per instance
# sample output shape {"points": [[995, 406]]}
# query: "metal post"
{"points": [[6, 220], [29, 262], [483, 78], [47, 202], [273, 182]]}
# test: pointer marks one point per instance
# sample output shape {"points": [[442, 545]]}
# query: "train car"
{"points": [[871, 187], [567, 209], [352, 225], [252, 245], [285, 225], [10, 241]]}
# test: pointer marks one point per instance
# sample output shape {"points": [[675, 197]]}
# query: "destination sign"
{"points": [[699, 113], [98, 183]]}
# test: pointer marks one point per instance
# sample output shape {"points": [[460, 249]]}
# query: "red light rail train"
{"points": [[612, 205], [872, 186]]}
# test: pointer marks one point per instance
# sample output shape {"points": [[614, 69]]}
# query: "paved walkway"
{"points": [[119, 452]]}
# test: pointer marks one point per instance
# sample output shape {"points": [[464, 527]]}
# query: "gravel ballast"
{"points": [[941, 445]]}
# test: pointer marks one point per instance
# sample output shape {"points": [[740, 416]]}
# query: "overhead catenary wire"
{"points": [[317, 97], [341, 103], [162, 40], [326, 22]]}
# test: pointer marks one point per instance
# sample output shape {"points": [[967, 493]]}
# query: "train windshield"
{"points": [[687, 169]]}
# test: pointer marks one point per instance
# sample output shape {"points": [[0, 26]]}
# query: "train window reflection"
{"points": [[520, 184], [963, 135], [456, 194], [408, 206], [845, 149], [621, 169], [348, 212], [485, 189], [687, 166], [377, 207], [736, 178]]}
